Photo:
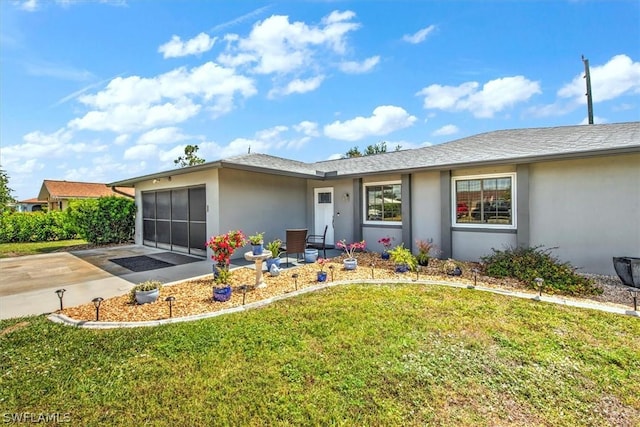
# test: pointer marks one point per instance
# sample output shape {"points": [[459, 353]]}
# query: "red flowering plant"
{"points": [[351, 248], [386, 242], [223, 246]]}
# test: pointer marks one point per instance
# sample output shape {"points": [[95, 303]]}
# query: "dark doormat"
{"points": [[140, 263], [176, 259]]}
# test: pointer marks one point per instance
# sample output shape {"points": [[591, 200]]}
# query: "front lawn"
{"points": [[356, 355], [8, 250]]}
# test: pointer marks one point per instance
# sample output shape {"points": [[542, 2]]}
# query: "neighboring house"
{"points": [[31, 205], [57, 194], [574, 188]]}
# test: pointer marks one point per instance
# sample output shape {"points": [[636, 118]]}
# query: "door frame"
{"points": [[318, 226]]}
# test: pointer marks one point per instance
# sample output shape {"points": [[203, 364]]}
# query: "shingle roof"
{"points": [[496, 147], [503, 146], [52, 190]]}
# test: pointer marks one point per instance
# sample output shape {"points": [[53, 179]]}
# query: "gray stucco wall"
{"points": [[589, 209], [256, 202], [426, 218]]}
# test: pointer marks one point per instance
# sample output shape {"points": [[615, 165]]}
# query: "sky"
{"points": [[105, 90]]}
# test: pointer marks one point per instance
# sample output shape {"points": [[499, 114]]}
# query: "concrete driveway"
{"points": [[28, 284]]}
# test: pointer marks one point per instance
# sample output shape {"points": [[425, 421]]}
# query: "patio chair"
{"points": [[295, 243], [317, 241]]}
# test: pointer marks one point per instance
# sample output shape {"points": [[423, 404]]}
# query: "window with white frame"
{"points": [[383, 201], [487, 200]]}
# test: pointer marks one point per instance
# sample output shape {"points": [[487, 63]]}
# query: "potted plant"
{"points": [[386, 243], [322, 275], [223, 246], [425, 249], [350, 263], [403, 259], [451, 268], [274, 247], [257, 242], [222, 290], [146, 292]]}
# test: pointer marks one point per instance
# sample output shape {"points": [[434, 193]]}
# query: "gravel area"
{"points": [[194, 296]]}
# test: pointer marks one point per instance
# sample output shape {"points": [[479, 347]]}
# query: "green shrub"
{"points": [[20, 227], [104, 220], [526, 264]]}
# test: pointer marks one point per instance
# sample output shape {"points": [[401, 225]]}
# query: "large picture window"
{"points": [[484, 200], [383, 202]]}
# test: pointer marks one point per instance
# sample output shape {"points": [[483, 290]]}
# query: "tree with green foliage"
{"points": [[190, 158], [380, 147], [5, 192], [104, 220]]}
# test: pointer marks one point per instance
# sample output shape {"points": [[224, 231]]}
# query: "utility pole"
{"points": [[587, 77]]}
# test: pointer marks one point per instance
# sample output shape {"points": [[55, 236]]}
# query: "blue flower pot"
{"points": [[222, 294], [273, 261], [322, 276], [384, 255], [402, 268], [257, 249]]}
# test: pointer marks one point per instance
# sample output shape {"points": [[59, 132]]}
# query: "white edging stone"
{"points": [[66, 320]]}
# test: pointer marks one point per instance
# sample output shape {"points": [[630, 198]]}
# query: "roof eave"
{"points": [[173, 172], [500, 162]]}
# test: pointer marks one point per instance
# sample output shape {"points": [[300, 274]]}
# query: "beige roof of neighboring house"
{"points": [[57, 190], [33, 200]]}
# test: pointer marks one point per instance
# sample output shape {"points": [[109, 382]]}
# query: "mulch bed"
{"points": [[194, 296]]}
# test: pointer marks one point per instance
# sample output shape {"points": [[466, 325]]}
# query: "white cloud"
{"points": [[419, 36], [39, 148], [596, 120], [617, 77], [495, 95], [127, 118], [277, 46], [271, 133], [298, 86], [141, 152], [308, 128], [176, 48], [446, 130], [385, 119], [167, 135], [353, 67], [122, 139], [27, 5], [136, 103]]}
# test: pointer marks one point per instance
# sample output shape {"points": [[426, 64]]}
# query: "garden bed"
{"points": [[194, 297]]}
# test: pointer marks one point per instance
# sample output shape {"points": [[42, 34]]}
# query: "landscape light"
{"points": [[295, 279], [60, 293], [96, 302], [540, 283], [170, 299], [331, 270], [634, 295]]}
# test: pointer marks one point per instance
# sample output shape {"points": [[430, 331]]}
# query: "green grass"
{"points": [[8, 250], [354, 355]]}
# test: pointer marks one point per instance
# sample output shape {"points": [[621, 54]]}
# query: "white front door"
{"points": [[323, 212]]}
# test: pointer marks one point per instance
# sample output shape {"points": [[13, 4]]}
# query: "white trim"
{"points": [[485, 225], [364, 202]]}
